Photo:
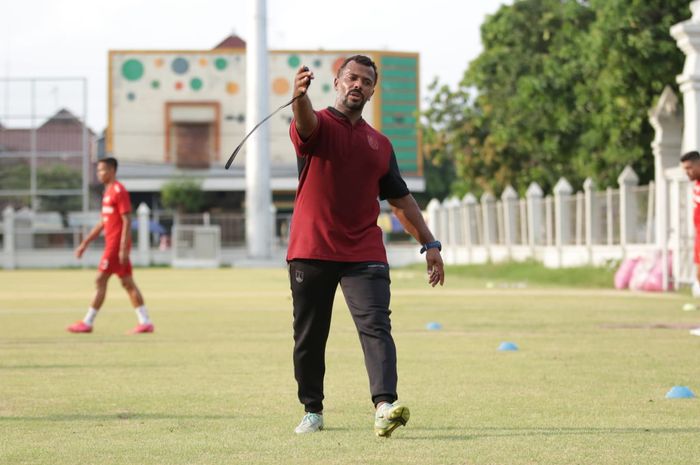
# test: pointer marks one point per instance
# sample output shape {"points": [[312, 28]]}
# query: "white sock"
{"points": [[142, 315], [696, 289], [90, 316]]}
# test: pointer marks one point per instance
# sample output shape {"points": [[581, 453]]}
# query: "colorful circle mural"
{"points": [[232, 88], [131, 96], [317, 63], [178, 85], [280, 86], [158, 62], [132, 70], [326, 87], [337, 64], [203, 62], [294, 61], [196, 83], [155, 84], [180, 65], [220, 64]]}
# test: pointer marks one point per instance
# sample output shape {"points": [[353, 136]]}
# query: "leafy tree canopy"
{"points": [[562, 88]]}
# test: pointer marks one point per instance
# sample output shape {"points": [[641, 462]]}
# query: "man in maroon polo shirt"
{"points": [[345, 165]]}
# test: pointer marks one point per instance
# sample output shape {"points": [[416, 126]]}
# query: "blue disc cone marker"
{"points": [[508, 346], [680, 392], [433, 326]]}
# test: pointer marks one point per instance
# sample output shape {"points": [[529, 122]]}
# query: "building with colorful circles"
{"points": [[176, 113]]}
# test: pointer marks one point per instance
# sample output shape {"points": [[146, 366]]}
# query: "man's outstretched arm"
{"points": [[304, 116]]}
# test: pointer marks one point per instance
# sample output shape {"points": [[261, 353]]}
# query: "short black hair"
{"points": [[691, 156], [363, 60], [110, 161]]}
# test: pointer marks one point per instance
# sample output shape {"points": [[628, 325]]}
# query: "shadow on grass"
{"points": [[490, 432], [114, 416], [61, 366]]}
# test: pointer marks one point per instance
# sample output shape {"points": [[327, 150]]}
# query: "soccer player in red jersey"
{"points": [[115, 220], [691, 165]]}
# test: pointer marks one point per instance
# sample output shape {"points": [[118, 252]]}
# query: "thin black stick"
{"points": [[238, 149]]}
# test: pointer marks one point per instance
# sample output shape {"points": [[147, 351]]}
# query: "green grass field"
{"points": [[214, 384]]}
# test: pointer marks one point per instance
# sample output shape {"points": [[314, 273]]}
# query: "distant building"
{"points": [[60, 136], [181, 113], [58, 145]]}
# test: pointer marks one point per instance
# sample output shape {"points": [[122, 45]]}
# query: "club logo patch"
{"points": [[373, 142], [299, 276]]}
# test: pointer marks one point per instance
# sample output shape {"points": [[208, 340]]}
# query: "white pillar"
{"points": [[8, 239], [143, 214], [467, 206], [257, 161], [609, 202], [469, 224], [667, 121], [433, 210], [452, 210], [534, 196], [628, 181], [523, 222], [488, 211], [509, 197], [591, 211], [562, 212], [687, 35], [445, 221], [549, 220], [580, 200]]}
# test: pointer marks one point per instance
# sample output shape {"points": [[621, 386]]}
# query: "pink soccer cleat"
{"points": [[79, 327], [144, 328]]}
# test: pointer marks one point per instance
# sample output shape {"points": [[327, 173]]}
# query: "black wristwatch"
{"points": [[431, 245]]}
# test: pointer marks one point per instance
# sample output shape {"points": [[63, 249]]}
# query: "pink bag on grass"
{"points": [[623, 275]]}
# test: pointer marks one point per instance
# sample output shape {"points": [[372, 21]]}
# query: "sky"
{"points": [[71, 38]]}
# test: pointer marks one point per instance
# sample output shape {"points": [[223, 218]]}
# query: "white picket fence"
{"points": [[565, 228]]}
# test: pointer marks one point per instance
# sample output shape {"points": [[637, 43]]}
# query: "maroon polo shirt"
{"points": [[343, 170]]}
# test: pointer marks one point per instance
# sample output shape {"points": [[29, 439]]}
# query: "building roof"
{"points": [[63, 132], [232, 41]]}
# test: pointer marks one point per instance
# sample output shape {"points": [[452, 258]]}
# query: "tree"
{"points": [[183, 195], [17, 176], [57, 176], [562, 88], [631, 55]]}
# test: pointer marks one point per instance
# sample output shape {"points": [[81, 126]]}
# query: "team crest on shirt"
{"points": [[373, 142], [299, 276]]}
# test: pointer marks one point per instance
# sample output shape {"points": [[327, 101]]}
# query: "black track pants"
{"points": [[366, 290]]}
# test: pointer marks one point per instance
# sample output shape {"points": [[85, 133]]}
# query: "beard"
{"points": [[354, 104]]}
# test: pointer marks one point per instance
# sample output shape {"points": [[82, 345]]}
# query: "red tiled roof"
{"points": [[63, 132], [232, 41]]}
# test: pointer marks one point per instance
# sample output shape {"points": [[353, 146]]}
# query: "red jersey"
{"points": [[344, 168], [115, 203], [696, 200]]}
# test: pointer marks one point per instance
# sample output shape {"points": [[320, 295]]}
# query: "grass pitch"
{"points": [[214, 384]]}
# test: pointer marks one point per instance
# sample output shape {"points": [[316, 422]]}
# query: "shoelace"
{"points": [[309, 418]]}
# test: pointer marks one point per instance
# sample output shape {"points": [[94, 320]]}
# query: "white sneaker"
{"points": [[388, 417], [311, 423], [695, 332], [695, 290]]}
